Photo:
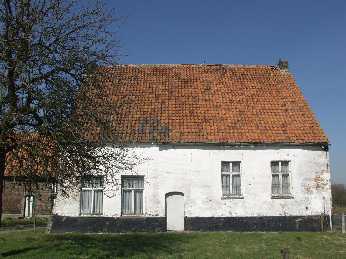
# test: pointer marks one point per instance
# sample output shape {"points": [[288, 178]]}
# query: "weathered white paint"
{"points": [[175, 211], [195, 171]]}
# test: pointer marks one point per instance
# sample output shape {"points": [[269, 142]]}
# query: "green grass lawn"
{"points": [[13, 222], [29, 244]]}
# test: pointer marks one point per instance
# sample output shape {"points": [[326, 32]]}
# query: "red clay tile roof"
{"points": [[34, 155], [210, 104]]}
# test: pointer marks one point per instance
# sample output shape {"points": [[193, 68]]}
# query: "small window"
{"points": [[280, 178], [230, 178], [92, 195], [132, 195]]}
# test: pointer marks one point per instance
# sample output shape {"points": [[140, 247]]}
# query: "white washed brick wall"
{"points": [[195, 171]]}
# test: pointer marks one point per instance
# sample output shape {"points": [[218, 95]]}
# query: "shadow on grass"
{"points": [[16, 252], [121, 245]]}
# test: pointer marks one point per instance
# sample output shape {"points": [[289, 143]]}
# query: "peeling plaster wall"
{"points": [[195, 171]]}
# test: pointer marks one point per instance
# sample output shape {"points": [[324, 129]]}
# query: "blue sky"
{"points": [[310, 34]]}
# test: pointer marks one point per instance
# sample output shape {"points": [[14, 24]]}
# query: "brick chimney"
{"points": [[283, 64]]}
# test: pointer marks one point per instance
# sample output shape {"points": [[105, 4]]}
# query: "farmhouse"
{"points": [[227, 147]]}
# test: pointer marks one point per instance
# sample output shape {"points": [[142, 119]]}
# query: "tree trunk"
{"points": [[2, 174]]}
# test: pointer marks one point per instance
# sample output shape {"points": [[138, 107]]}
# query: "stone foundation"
{"points": [[275, 223], [61, 224]]}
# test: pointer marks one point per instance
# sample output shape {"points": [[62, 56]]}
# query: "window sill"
{"points": [[282, 197], [91, 215], [132, 216], [230, 197]]}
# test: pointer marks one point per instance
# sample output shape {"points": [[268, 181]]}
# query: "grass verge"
{"points": [[39, 244], [12, 222]]}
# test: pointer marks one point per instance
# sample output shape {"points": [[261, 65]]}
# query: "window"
{"points": [[92, 195], [230, 178], [28, 206], [132, 195], [280, 178]]}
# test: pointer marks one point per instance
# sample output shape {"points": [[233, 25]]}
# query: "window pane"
{"points": [[235, 167], [225, 167], [126, 202], [133, 182], [141, 182], [97, 182], [275, 184], [275, 166], [130, 182], [86, 196], [284, 167], [86, 182], [225, 184], [138, 182], [138, 202], [89, 181], [285, 184], [127, 183], [98, 202], [236, 184], [124, 183]]}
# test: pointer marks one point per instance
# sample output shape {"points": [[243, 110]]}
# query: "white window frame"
{"points": [[231, 173], [92, 189], [280, 173], [132, 195]]}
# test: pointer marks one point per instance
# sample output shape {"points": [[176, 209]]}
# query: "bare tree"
{"points": [[51, 52]]}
